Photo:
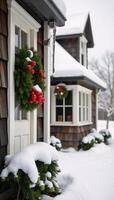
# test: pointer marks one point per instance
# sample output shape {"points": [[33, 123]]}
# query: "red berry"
{"points": [[32, 71], [29, 67], [40, 73], [33, 63]]}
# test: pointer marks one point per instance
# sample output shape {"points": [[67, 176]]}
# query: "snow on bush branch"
{"points": [[55, 142], [25, 160], [31, 172]]}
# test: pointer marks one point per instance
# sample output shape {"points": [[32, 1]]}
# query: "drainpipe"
{"points": [[47, 81]]}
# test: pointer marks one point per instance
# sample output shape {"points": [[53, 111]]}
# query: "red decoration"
{"points": [[40, 73], [33, 63], [36, 97], [30, 69], [61, 91]]}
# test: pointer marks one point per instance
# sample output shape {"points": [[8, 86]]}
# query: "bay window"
{"points": [[73, 110]]}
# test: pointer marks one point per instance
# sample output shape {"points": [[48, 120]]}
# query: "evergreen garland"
{"points": [[61, 91], [28, 73]]}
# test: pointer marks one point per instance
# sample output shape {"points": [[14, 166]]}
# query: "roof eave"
{"points": [[72, 79], [43, 10]]}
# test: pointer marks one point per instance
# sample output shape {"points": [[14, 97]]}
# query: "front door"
{"points": [[22, 118], [22, 126]]}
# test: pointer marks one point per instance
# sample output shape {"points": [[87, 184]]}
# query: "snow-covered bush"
{"points": [[98, 137], [107, 136], [55, 142], [87, 142], [31, 172]]}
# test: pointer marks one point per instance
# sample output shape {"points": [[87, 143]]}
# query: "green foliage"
{"points": [[24, 80], [61, 91], [24, 190], [106, 134], [86, 146], [98, 141]]}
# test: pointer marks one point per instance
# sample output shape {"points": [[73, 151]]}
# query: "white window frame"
{"points": [[65, 106], [83, 50], [75, 107], [84, 91]]}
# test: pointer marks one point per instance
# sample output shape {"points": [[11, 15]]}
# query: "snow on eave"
{"points": [[61, 6], [67, 66], [74, 25]]}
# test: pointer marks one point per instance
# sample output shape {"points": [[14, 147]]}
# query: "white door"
{"points": [[22, 126], [22, 118]]}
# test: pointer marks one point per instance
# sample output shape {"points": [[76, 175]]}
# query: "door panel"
{"points": [[22, 118]]}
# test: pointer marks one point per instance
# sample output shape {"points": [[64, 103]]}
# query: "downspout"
{"points": [[47, 81]]}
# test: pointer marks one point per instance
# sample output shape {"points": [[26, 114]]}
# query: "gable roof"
{"points": [[77, 24], [67, 67]]}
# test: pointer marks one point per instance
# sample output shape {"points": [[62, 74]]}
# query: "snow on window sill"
{"points": [[71, 124]]}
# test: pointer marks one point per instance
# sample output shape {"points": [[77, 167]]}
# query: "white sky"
{"points": [[102, 21]]}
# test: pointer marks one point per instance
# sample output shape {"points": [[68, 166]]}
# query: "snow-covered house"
{"points": [[24, 23], [73, 117]]}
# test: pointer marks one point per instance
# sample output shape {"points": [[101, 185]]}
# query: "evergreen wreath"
{"points": [[29, 80], [61, 91]]}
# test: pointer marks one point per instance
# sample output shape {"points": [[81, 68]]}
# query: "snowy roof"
{"points": [[74, 25], [67, 66], [61, 6], [77, 24]]}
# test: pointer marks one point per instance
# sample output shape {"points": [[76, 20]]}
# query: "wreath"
{"points": [[29, 80], [61, 91]]}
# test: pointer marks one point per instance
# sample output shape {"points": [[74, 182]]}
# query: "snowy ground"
{"points": [[87, 175]]}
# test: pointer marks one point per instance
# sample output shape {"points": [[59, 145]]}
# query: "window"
{"points": [[64, 109], [75, 110], [84, 106], [20, 42], [83, 51]]}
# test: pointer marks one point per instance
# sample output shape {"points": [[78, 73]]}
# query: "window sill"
{"points": [[72, 124]]}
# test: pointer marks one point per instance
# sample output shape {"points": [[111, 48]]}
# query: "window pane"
{"points": [[17, 113], [23, 39], [83, 99], [82, 59], [17, 38], [80, 98], [87, 114], [59, 114], [59, 101], [79, 114], [68, 114], [68, 99], [23, 115], [86, 99], [83, 114]]}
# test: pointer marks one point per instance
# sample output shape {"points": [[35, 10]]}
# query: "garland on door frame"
{"points": [[29, 80], [61, 91]]}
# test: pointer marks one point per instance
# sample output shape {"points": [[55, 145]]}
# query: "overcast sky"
{"points": [[102, 20]]}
